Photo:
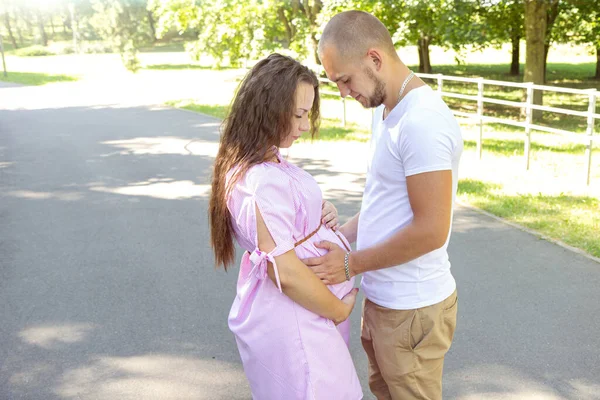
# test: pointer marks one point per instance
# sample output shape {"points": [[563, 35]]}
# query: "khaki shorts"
{"points": [[406, 348]]}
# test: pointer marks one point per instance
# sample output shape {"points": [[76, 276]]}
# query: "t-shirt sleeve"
{"points": [[274, 198], [427, 143]]}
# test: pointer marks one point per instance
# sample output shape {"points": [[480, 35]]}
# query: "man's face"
{"points": [[356, 79]]}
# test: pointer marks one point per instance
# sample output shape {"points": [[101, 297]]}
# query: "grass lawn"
{"points": [[35, 78], [574, 220], [163, 67], [330, 129]]}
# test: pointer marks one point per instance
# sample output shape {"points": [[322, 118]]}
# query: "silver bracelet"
{"points": [[347, 266]]}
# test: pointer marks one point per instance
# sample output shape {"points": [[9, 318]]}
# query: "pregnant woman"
{"points": [[291, 330]]}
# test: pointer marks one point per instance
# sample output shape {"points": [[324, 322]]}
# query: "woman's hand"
{"points": [[329, 215], [349, 300]]}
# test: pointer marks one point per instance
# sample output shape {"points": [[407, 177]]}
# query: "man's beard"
{"points": [[378, 96]]}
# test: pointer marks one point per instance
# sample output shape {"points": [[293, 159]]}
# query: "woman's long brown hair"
{"points": [[260, 117]]}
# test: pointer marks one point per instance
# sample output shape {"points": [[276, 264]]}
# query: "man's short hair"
{"points": [[353, 32]]}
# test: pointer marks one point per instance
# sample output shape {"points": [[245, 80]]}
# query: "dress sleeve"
{"points": [[274, 198], [269, 191]]}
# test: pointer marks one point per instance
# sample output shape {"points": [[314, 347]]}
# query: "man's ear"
{"points": [[375, 57]]}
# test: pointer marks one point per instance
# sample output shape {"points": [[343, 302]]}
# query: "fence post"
{"points": [[590, 133], [480, 115], [440, 83], [528, 120], [344, 112]]}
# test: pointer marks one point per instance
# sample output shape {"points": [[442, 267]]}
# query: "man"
{"points": [[403, 228]]}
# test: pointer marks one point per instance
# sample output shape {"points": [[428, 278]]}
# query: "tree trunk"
{"points": [[52, 27], [597, 63], [151, 23], [514, 65], [26, 16], [73, 23], [551, 16], [535, 36], [3, 61], [289, 32], [43, 37], [312, 12], [546, 50], [18, 28], [66, 19], [8, 28], [315, 49], [424, 60]]}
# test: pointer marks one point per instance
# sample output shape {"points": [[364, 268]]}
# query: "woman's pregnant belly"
{"points": [[309, 250]]}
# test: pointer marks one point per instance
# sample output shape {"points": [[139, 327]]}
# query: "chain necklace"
{"points": [[408, 78]]}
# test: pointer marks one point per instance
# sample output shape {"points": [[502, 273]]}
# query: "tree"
{"points": [[536, 12], [225, 28], [447, 23], [311, 11], [8, 28], [580, 24], [503, 22], [42, 30], [555, 7], [242, 29], [590, 32], [2, 53], [124, 23], [5, 9]]}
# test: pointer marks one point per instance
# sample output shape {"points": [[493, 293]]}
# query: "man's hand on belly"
{"points": [[330, 267]]}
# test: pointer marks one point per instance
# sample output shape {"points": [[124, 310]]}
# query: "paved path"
{"points": [[108, 291], [8, 84]]}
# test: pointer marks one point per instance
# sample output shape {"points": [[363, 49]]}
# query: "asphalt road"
{"points": [[108, 290]]}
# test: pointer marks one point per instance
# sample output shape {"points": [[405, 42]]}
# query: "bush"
{"points": [[34, 51], [96, 48], [61, 48]]}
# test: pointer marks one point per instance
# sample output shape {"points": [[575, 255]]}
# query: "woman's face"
{"points": [[305, 95]]}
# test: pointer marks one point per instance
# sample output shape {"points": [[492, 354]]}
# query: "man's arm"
{"points": [[430, 196], [350, 228]]}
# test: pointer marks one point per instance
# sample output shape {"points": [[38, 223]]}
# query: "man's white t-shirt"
{"points": [[419, 135]]}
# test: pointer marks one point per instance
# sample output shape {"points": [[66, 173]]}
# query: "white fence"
{"points": [[528, 125]]}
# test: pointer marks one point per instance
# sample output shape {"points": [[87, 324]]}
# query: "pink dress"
{"points": [[287, 351]]}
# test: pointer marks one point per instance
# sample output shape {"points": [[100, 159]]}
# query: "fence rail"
{"points": [[528, 125]]}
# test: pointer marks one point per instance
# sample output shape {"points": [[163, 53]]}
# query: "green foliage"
{"points": [[183, 15], [447, 23], [502, 20], [236, 30], [124, 23], [34, 51], [579, 23]]}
